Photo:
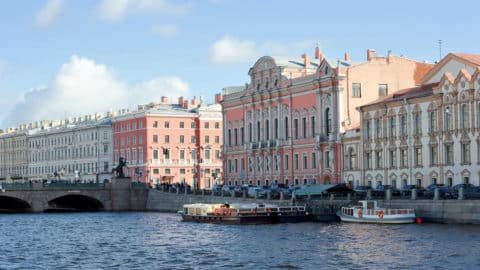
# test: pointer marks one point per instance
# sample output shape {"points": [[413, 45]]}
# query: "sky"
{"points": [[67, 58]]}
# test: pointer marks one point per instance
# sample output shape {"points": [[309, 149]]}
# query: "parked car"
{"points": [[217, 188], [381, 190], [362, 190], [256, 190], [407, 190], [444, 191], [469, 191], [228, 189]]}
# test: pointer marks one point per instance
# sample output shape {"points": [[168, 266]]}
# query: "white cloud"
{"points": [[49, 13], [165, 30], [83, 87], [230, 50], [116, 10]]}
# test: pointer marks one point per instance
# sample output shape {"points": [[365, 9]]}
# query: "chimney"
{"points": [[218, 98], [370, 54], [185, 104], [194, 102], [318, 54], [180, 101], [347, 57], [306, 60], [164, 100]]}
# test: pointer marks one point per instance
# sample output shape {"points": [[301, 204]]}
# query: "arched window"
{"points": [[448, 118], [328, 121], [432, 121], [464, 114]]}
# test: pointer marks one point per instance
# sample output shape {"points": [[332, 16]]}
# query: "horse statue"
{"points": [[119, 169]]}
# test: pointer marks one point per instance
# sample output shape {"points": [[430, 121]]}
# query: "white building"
{"points": [[78, 150], [422, 135]]}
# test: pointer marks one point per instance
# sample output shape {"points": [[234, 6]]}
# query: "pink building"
{"points": [[286, 125], [171, 143]]}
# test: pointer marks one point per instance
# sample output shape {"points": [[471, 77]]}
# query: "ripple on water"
{"points": [[161, 241]]}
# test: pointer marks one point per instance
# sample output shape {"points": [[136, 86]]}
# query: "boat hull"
{"points": [[376, 220], [247, 219]]}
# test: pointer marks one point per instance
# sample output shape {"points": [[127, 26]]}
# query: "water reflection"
{"points": [[161, 241]]}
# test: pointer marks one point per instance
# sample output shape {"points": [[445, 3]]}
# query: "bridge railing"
{"points": [[67, 185], [17, 186]]}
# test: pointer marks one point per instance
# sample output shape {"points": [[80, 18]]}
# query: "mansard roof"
{"points": [[408, 93]]}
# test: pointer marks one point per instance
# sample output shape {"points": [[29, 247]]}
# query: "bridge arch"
{"points": [[74, 203], [10, 204]]}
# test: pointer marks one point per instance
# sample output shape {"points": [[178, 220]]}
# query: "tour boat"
{"points": [[369, 212], [243, 213]]}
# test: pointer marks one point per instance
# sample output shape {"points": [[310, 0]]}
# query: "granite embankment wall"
{"points": [[438, 211]]}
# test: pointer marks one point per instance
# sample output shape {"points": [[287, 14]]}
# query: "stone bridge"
{"points": [[120, 195]]}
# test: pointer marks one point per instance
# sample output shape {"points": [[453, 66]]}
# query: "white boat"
{"points": [[369, 212], [243, 213]]}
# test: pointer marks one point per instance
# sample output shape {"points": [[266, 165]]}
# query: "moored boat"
{"points": [[243, 213], [369, 212]]}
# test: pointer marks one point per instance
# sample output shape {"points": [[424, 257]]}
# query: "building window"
{"points": [[295, 162], [156, 171], [229, 137], [167, 138], [382, 90], [193, 139], [356, 90], [167, 171], [449, 154], [312, 126], [182, 139], [275, 128], [404, 158], [393, 158], [155, 124], [305, 162], [378, 128], [167, 124], [392, 126], [432, 121], [418, 124], [207, 139], [314, 161], [193, 125], [267, 129], [351, 158], [328, 121], [368, 160], [304, 127], [182, 124], [418, 156], [207, 125], [464, 115], [367, 129], [295, 128], [258, 131], [235, 136], [182, 154], [217, 125], [286, 128], [217, 154], [250, 132], [433, 155], [182, 171], [242, 137], [155, 154], [155, 138], [378, 159], [465, 153], [217, 138], [448, 118], [287, 161], [403, 125], [327, 159]]}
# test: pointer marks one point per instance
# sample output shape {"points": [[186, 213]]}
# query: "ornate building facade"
{"points": [[171, 143], [285, 126], [422, 135]]}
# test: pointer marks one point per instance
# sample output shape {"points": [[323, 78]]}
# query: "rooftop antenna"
{"points": [[440, 49]]}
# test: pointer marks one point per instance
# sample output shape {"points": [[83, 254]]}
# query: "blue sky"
{"points": [[61, 58]]}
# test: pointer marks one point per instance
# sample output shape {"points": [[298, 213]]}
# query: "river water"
{"points": [[161, 241]]}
